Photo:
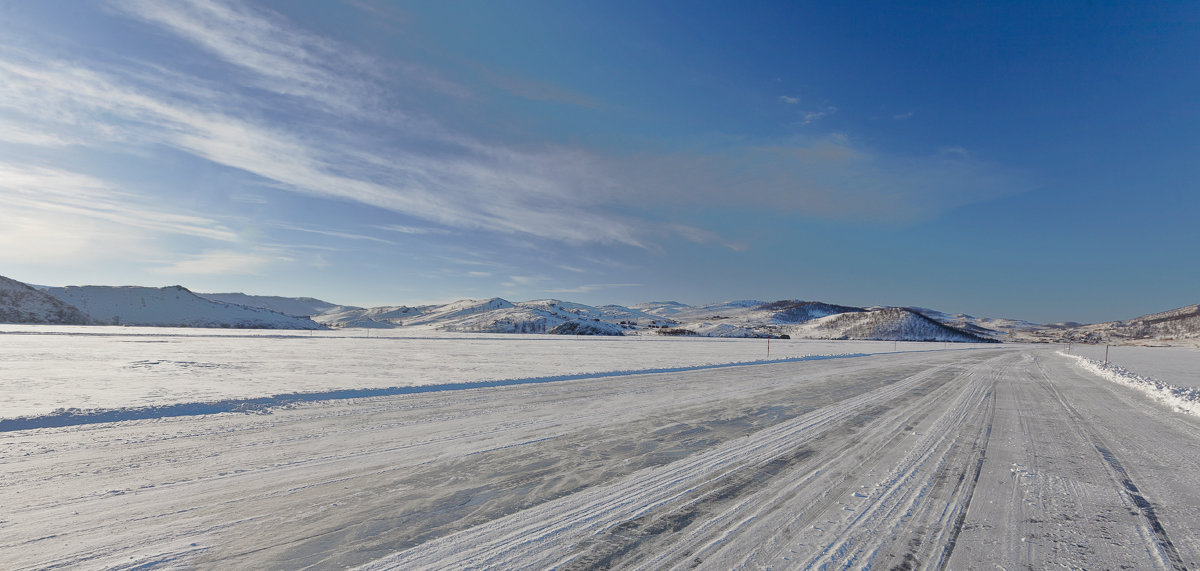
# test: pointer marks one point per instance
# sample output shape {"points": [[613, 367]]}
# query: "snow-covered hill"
{"points": [[173, 306], [1182, 324], [20, 303], [295, 306], [493, 315], [1176, 324], [983, 326], [741, 318], [176, 306], [383, 317], [808, 320], [885, 324], [661, 308]]}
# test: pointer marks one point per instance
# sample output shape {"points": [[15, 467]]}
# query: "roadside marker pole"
{"points": [[1106, 353]]}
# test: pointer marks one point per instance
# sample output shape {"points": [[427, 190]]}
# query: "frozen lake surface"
{"points": [[1179, 366], [44, 368], [900, 456]]}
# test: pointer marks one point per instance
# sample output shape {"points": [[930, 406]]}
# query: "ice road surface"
{"points": [[1008, 456]]}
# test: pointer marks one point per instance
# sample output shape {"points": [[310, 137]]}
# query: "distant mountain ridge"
{"points": [[177, 306], [741, 318]]}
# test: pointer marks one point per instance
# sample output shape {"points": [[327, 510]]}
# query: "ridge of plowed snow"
{"points": [[1183, 399]]}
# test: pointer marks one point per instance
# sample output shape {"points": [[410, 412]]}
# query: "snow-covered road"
{"points": [[1011, 456]]}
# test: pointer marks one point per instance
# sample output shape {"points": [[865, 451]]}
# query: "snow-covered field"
{"points": [[44, 368], [1179, 366], [929, 456]]}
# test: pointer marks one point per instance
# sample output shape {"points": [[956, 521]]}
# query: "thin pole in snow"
{"points": [[768, 347], [1106, 353]]}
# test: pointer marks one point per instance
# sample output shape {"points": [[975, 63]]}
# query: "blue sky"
{"points": [[1027, 160]]}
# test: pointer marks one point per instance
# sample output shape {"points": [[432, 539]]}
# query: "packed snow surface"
{"points": [[928, 457]]}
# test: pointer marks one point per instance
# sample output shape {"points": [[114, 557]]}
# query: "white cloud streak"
{"points": [[447, 178], [54, 216], [333, 233], [590, 288], [702, 236], [54, 193], [808, 117], [829, 177], [277, 57], [353, 148], [402, 229], [223, 262]]}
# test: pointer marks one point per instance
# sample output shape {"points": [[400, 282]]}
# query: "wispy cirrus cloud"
{"points": [[224, 262], [332, 233], [523, 281], [538, 90], [275, 56], [59, 216], [426, 172], [62, 195], [808, 117], [702, 236], [359, 144], [591, 288], [405, 229], [830, 177]]}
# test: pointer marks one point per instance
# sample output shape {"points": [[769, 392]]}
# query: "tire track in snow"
{"points": [[911, 517], [601, 526], [341, 483], [1154, 534], [980, 447], [805, 509]]}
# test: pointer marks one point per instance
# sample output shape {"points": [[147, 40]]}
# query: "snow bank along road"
{"points": [[945, 459]]}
